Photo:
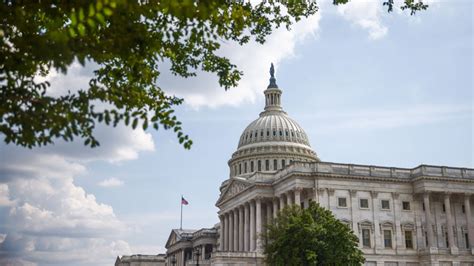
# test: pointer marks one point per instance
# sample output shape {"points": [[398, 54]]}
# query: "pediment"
{"points": [[235, 187], [171, 239]]}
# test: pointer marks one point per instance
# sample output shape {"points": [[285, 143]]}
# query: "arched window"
{"points": [[275, 166], [267, 165], [283, 163], [240, 168], [251, 166], [259, 165], [274, 133], [245, 167]]}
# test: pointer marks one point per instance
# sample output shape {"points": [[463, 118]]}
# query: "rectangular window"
{"points": [[366, 238], [342, 202], [466, 240], [364, 203], [240, 168], [275, 166], [245, 167], [423, 206], [463, 209], [406, 205], [387, 238], [446, 238], [282, 163], [444, 208], [426, 239], [408, 239], [267, 165], [385, 205], [251, 166], [259, 165]]}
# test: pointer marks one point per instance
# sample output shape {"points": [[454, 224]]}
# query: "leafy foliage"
{"points": [[129, 40], [311, 236]]}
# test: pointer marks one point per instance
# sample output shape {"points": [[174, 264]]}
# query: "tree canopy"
{"points": [[129, 40], [311, 236]]}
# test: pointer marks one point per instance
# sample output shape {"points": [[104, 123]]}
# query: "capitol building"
{"points": [[402, 216]]}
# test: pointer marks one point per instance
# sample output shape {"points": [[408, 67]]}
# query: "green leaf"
{"points": [[108, 12], [135, 123], [81, 29]]}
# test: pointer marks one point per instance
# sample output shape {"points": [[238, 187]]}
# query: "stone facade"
{"points": [[418, 216], [191, 247], [141, 260]]}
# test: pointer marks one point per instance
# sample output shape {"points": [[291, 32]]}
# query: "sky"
{"points": [[367, 86]]}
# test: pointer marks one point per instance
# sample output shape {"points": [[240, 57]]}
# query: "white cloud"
{"points": [[111, 182], [55, 221], [254, 59], [365, 14], [47, 219]]}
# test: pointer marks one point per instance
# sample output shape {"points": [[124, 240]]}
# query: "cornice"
{"points": [[370, 178]]}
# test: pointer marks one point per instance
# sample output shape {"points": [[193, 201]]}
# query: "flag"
{"points": [[183, 201]]}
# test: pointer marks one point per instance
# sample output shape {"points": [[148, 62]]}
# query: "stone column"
{"points": [[298, 196], [252, 226], [258, 206], [221, 234], [236, 230], [315, 195], [241, 228], [375, 217], [247, 228], [354, 208], [429, 220], [203, 252], [231, 231], [226, 231], [269, 211], [470, 225], [399, 243], [275, 208], [449, 224], [282, 201]]}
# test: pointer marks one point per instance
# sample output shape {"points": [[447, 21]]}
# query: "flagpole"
{"points": [[181, 220]]}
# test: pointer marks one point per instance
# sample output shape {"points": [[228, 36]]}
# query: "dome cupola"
{"points": [[272, 141]]}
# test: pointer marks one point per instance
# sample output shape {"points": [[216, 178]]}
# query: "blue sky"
{"points": [[368, 87]]}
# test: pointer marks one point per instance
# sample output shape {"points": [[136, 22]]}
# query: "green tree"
{"points": [[129, 40], [311, 236]]}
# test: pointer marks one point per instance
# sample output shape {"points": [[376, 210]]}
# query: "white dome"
{"points": [[271, 127], [272, 141]]}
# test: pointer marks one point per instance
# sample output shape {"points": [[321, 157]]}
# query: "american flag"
{"points": [[183, 201]]}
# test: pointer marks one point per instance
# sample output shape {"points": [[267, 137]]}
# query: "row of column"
{"points": [[242, 227], [449, 221]]}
